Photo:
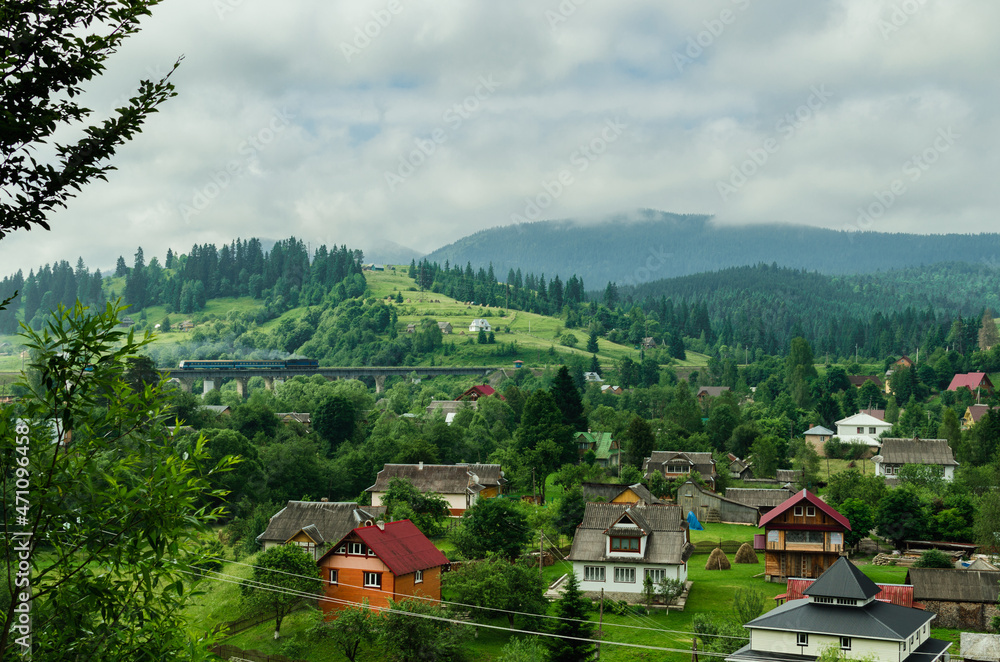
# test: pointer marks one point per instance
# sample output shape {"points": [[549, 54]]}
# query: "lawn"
{"points": [[717, 532]]}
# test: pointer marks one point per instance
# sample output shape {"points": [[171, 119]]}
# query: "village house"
{"points": [[445, 327], [411, 328], [739, 469], [461, 485], [706, 392], [857, 381], [606, 449], [675, 464], [764, 500], [592, 377], [612, 493], [480, 324], [711, 507], [977, 382], [315, 525], [613, 390], [973, 413], [841, 612], [378, 563], [802, 537], [816, 436], [479, 391], [618, 545], [289, 417], [927, 452], [649, 343], [861, 429], [961, 599], [449, 408]]}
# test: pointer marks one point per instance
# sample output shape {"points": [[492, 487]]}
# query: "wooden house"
{"points": [[606, 449], [764, 500], [461, 485], [711, 507], [378, 563], [802, 537], [315, 525], [445, 327], [479, 391], [977, 382], [962, 599], [926, 452], [675, 464], [973, 413]]}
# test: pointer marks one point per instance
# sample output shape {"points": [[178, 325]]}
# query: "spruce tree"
{"points": [[572, 606], [567, 398]]}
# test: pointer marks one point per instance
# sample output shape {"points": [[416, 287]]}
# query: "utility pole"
{"points": [[541, 551], [600, 625]]}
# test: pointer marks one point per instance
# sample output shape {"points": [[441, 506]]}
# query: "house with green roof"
{"points": [[607, 450]]}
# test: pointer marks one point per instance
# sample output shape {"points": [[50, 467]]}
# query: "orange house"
{"points": [[384, 561]]}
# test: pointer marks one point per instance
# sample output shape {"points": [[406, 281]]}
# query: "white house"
{"points": [[929, 452], [841, 612], [479, 324], [861, 429], [461, 485], [618, 545]]}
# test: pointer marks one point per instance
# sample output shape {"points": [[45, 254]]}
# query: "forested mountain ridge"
{"points": [[656, 245]]}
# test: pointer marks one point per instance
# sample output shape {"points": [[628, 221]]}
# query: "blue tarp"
{"points": [[693, 523]]}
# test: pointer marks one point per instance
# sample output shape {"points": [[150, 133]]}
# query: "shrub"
{"points": [[934, 558]]}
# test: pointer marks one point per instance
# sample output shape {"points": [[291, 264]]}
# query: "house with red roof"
{"points": [[381, 562], [802, 537], [974, 381], [479, 391]]}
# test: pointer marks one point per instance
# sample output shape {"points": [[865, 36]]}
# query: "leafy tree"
{"points": [[289, 568], [497, 583], [408, 638], [748, 604], [950, 428], [658, 485], [543, 440], [986, 527], [335, 420], [870, 396], [808, 462], [523, 649], [572, 606], [481, 337], [118, 508], [921, 476], [933, 558], [496, 526], [900, 515], [718, 634], [743, 437], [353, 626], [427, 511], [764, 453], [569, 513], [861, 515], [722, 420], [43, 74], [851, 483], [629, 475]]}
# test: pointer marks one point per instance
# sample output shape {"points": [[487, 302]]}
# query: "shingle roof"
{"points": [[402, 547], [787, 475], [858, 380], [819, 429], [666, 544], [712, 391], [917, 451], [703, 462], [950, 585], [977, 411], [331, 520], [441, 478], [970, 380], [605, 491], [843, 580], [876, 620], [757, 498], [809, 497]]}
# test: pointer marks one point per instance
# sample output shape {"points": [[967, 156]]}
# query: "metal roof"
{"points": [[401, 546], [917, 451], [809, 497], [876, 620], [843, 580], [819, 429]]}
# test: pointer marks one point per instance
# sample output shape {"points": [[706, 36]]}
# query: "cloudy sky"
{"points": [[421, 121]]}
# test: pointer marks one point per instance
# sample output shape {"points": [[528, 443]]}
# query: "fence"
{"points": [[706, 546], [241, 624], [234, 654]]}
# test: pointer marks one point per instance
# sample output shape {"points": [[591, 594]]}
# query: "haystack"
{"points": [[717, 560], [745, 554]]}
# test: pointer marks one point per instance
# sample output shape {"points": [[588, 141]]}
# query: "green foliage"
{"points": [[427, 510], [543, 441], [411, 639], [807, 460], [861, 515], [718, 634], [523, 649], [118, 508], [669, 589], [492, 526], [851, 483], [291, 569], [764, 454], [637, 441], [576, 609], [987, 521], [353, 626], [933, 558], [901, 515], [748, 604], [569, 513], [335, 419], [497, 583], [629, 475], [922, 476]]}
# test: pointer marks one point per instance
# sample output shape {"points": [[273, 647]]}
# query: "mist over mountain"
{"points": [[651, 245]]}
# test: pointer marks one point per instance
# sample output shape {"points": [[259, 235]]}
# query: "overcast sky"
{"points": [[421, 121]]}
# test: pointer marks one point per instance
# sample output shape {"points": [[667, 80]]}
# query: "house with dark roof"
{"points": [[615, 493], [606, 449], [461, 485], [858, 380], [803, 536], [675, 464], [927, 452], [739, 469], [973, 413], [764, 500], [445, 327], [617, 546], [710, 392], [378, 563], [708, 506], [315, 525], [961, 599], [842, 612], [977, 382]]}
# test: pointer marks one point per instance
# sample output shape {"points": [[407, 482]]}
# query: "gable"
{"points": [[784, 514]]}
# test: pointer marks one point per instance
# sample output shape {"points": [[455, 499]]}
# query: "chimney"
{"points": [[421, 466], [381, 525]]}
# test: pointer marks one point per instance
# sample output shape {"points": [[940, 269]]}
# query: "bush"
{"points": [[934, 558]]}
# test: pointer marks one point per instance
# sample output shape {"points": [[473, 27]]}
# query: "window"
{"points": [[625, 544], [333, 576], [355, 548], [373, 579], [822, 599], [811, 511], [798, 511], [807, 537], [871, 430], [371, 552], [847, 601], [802, 639], [656, 574], [772, 535], [342, 549], [593, 573], [845, 643], [861, 430], [836, 538], [625, 575], [418, 577]]}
